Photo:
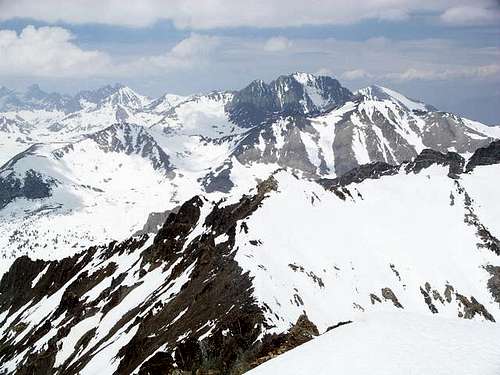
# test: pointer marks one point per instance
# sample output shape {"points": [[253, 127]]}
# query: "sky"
{"points": [[444, 52]]}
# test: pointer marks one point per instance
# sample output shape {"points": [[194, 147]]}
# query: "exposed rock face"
{"points": [[219, 180], [359, 174], [494, 282], [444, 131], [279, 142], [273, 345], [31, 186], [429, 157], [202, 273], [389, 295], [132, 139], [155, 222], [485, 156], [293, 95]]}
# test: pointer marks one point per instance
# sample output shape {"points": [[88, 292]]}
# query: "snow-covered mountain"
{"points": [[217, 143], [226, 285], [239, 224], [64, 195], [34, 98]]}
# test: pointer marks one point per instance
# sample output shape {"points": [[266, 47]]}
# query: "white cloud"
{"points": [[206, 14], [277, 44], [355, 74], [471, 15], [192, 51], [47, 52], [479, 72], [50, 52]]}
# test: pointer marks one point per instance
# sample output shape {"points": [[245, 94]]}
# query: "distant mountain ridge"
{"points": [[34, 98]]}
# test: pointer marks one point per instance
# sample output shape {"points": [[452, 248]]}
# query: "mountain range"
{"points": [[213, 232]]}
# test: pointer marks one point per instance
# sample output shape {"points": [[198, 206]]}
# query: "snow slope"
{"points": [[393, 344], [224, 283], [93, 194], [400, 233]]}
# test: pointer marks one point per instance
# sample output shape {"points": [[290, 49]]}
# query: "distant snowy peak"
{"points": [[126, 97], [296, 94], [323, 91], [34, 98], [98, 95], [379, 93], [165, 103], [132, 139]]}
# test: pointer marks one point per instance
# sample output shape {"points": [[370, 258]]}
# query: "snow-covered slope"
{"points": [[227, 284], [324, 247], [67, 196], [389, 343]]}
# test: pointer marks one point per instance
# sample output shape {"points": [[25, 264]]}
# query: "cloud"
{"points": [[208, 14], [355, 74], [471, 15], [277, 44], [47, 52], [51, 52], [192, 51], [479, 72]]}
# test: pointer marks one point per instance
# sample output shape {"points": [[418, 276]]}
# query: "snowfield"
{"points": [[399, 232], [395, 344]]}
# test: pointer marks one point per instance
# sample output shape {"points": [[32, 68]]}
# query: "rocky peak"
{"points": [[132, 139], [288, 95], [35, 92], [127, 97], [96, 96], [114, 95]]}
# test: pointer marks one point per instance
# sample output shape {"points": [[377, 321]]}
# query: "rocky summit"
{"points": [[225, 232]]}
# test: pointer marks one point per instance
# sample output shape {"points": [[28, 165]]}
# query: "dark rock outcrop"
{"points": [[485, 156], [211, 336], [430, 157], [31, 186], [361, 173], [494, 282], [273, 345]]}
